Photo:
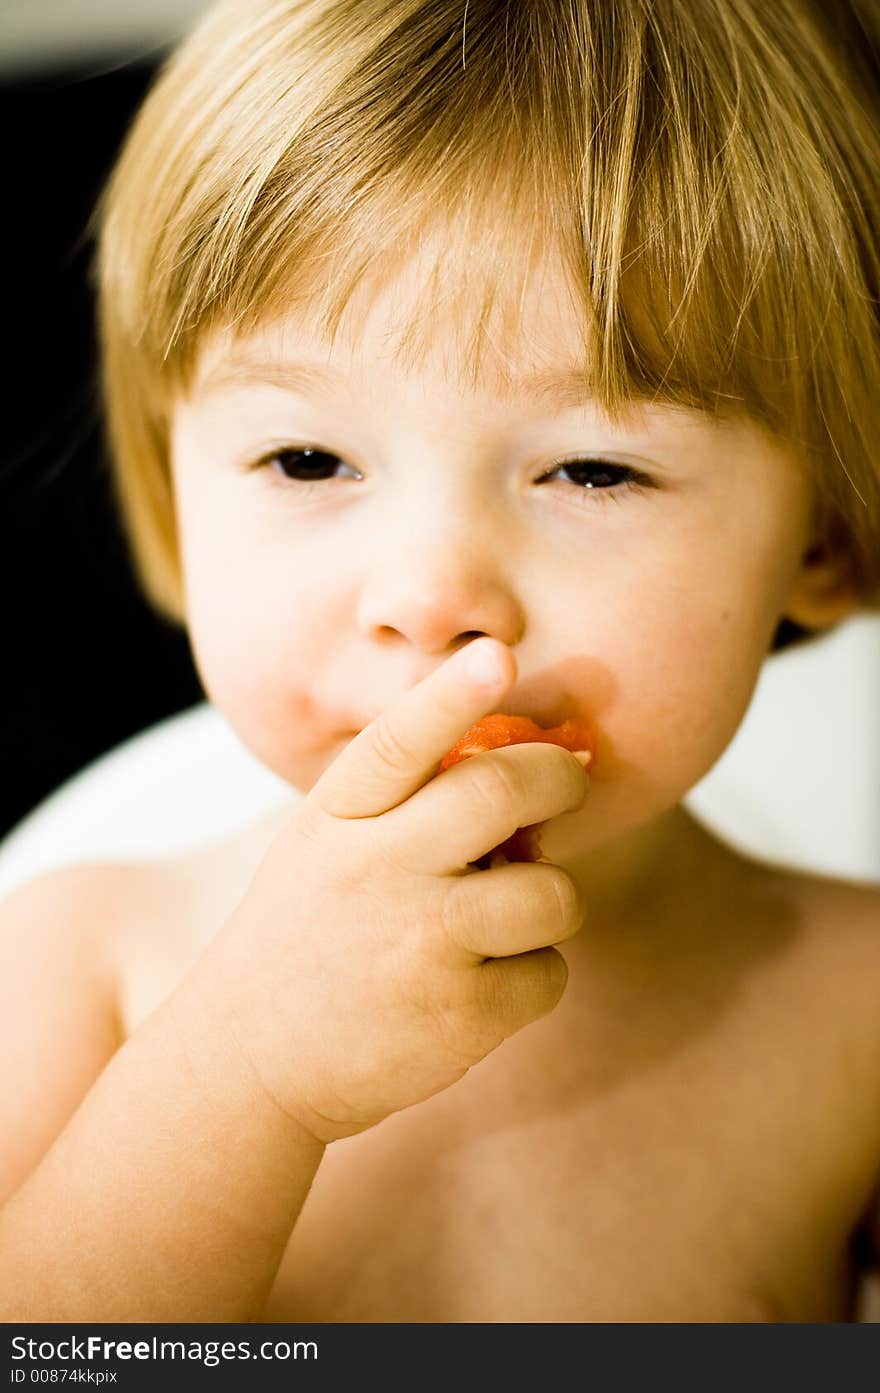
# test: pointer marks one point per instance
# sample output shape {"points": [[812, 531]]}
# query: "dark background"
{"points": [[87, 663]]}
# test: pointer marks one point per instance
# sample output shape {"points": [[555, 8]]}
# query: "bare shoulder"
{"points": [[171, 908], [842, 921], [833, 932], [831, 905], [834, 916], [811, 911], [71, 930], [87, 951], [122, 932], [64, 916]]}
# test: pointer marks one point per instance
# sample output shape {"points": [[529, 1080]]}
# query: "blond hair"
{"points": [[705, 169]]}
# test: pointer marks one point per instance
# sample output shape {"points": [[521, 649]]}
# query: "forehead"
{"points": [[409, 325], [411, 316]]}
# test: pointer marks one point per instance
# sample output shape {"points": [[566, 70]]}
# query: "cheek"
{"points": [[678, 666], [686, 652], [258, 639], [252, 670], [682, 696]]}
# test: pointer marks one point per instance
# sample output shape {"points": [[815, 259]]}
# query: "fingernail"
{"points": [[583, 757], [480, 665]]}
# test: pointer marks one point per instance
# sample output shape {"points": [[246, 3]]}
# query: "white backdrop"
{"points": [[801, 779]]}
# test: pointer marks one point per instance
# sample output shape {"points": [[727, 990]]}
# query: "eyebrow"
{"points": [[556, 388], [566, 386]]}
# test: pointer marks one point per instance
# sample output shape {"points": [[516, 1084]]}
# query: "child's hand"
{"points": [[367, 967]]}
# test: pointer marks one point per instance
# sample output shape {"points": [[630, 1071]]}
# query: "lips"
{"points": [[495, 731]]}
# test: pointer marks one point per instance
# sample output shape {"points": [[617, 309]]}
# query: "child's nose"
{"points": [[437, 596]]}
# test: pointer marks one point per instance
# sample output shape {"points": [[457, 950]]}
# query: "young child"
{"points": [[459, 359]]}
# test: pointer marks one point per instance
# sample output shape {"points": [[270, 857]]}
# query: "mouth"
{"points": [[513, 726], [498, 730]]}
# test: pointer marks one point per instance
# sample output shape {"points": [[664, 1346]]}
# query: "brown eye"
{"points": [[301, 468], [592, 480], [305, 466], [596, 474]]}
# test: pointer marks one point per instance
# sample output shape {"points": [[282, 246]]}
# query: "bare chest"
{"points": [[690, 1136], [642, 1204]]}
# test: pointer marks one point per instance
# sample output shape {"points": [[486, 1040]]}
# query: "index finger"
{"points": [[399, 752]]}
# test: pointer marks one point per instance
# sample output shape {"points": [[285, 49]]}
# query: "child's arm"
{"points": [[364, 970], [173, 1186]]}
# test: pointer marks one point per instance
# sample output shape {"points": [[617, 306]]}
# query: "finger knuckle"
{"points": [[462, 915], [385, 852], [497, 784], [313, 825], [391, 749], [567, 901], [493, 1001], [446, 1014], [514, 991], [541, 985], [552, 976]]}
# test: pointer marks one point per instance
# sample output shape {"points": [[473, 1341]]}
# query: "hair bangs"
{"points": [[682, 282], [700, 172]]}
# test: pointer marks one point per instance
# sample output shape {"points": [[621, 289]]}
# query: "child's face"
{"points": [[320, 587]]}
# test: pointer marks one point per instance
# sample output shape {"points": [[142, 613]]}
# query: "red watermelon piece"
{"points": [[495, 731]]}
